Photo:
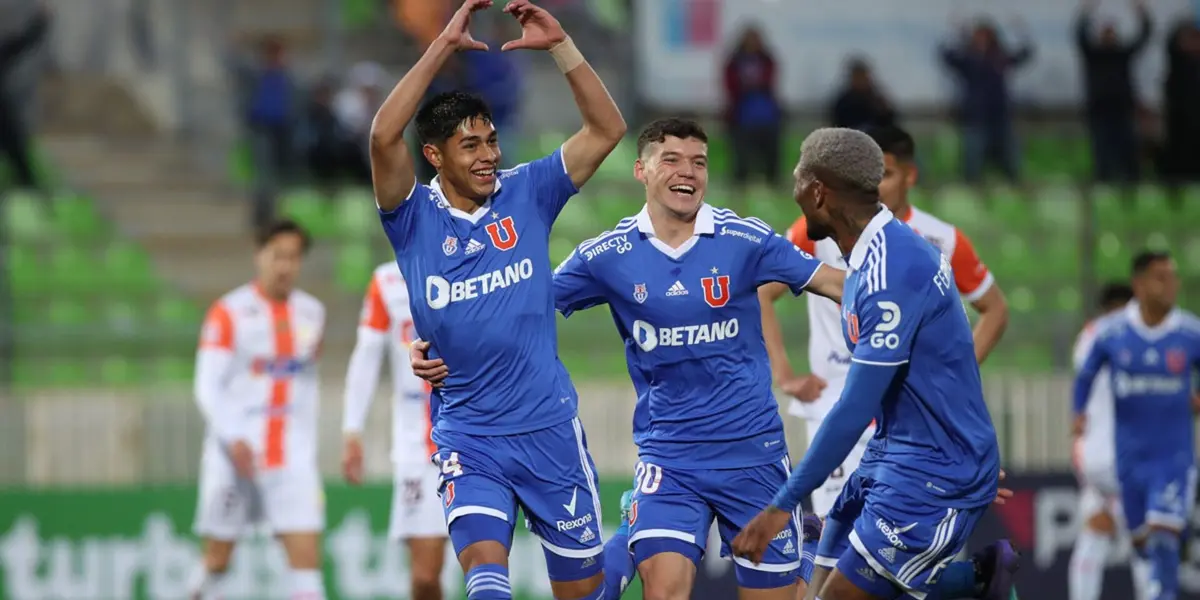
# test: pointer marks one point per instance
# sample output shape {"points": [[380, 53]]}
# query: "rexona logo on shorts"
{"points": [[649, 337], [575, 523], [440, 293]]}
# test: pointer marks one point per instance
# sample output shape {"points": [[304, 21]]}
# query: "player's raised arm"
{"points": [[393, 173], [603, 125], [781, 367]]}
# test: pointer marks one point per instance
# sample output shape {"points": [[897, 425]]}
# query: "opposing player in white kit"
{"points": [[386, 326], [829, 358], [257, 387], [1095, 465]]}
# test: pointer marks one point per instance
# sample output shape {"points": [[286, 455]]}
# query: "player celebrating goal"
{"points": [[1151, 349], [474, 249], [386, 327], [931, 468], [256, 384]]}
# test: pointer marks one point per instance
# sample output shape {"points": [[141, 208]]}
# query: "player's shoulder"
{"points": [[1189, 323], [937, 231], [526, 168], [1110, 326], [239, 298], [615, 241], [896, 259]]}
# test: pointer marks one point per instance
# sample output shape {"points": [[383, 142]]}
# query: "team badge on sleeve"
{"points": [[639, 292], [450, 246]]}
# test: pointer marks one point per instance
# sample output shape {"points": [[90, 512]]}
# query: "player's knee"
{"points": [[217, 554], [580, 589], [303, 550], [839, 587], [487, 552], [424, 588], [1102, 522]]}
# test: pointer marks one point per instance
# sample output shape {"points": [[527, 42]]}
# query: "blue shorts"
{"points": [[673, 510], [548, 473], [890, 544], [1159, 495]]}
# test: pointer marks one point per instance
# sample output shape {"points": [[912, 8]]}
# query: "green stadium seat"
{"points": [[177, 315], [945, 152], [310, 209], [359, 13], [355, 214], [26, 272], [171, 369], [962, 206], [1189, 258], [118, 370], [1112, 257], [1109, 207], [25, 215], [354, 267], [777, 210], [1058, 207], [1189, 204], [73, 271], [619, 164], [76, 217], [1060, 258], [1012, 259], [1068, 299], [1008, 208], [1151, 208], [128, 267]]}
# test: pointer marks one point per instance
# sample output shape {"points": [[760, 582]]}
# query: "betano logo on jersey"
{"points": [[440, 293], [1147, 385], [649, 337]]}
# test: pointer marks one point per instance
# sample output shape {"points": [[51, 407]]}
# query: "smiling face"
{"points": [[675, 173], [467, 160]]}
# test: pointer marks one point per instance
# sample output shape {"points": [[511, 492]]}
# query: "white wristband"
{"points": [[566, 55]]}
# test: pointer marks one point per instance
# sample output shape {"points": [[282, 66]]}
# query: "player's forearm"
{"points": [[865, 388], [993, 320], [828, 282], [1082, 390], [362, 379], [603, 125], [781, 367], [221, 412]]}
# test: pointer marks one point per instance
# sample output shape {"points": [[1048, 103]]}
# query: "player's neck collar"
{"points": [[1133, 312], [473, 217], [704, 224], [858, 254]]}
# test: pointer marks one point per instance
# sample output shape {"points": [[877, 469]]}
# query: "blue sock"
{"points": [[488, 582], [1163, 549], [956, 581], [619, 569], [808, 553]]}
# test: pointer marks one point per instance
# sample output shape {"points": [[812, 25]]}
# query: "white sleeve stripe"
{"points": [[878, 363], [731, 220], [981, 289]]}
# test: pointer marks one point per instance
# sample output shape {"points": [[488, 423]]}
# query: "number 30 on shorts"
{"points": [[647, 477]]}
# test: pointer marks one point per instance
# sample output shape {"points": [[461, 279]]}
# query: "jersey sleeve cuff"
{"points": [[879, 363], [406, 199], [981, 289]]}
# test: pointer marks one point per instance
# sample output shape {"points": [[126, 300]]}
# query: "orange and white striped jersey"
{"points": [[386, 326], [828, 356], [256, 375]]}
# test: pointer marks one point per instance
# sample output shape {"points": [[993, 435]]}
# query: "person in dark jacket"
{"points": [[861, 104], [14, 137], [753, 112], [1181, 102], [982, 65], [1111, 99]]}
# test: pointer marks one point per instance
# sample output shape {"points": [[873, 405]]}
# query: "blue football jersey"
{"points": [[691, 324], [1151, 370], [934, 436], [480, 287]]}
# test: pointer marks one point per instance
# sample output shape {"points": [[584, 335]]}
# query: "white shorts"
{"points": [[416, 508], [285, 500], [824, 496], [1099, 489]]}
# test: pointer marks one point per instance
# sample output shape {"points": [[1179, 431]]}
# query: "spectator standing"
{"points": [[355, 106], [753, 112], [14, 133], [982, 65], [861, 104], [1181, 97], [267, 96], [1111, 99], [330, 151]]}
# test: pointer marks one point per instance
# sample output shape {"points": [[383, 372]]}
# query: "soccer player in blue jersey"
{"points": [[932, 468], [1152, 351], [474, 249], [680, 279]]}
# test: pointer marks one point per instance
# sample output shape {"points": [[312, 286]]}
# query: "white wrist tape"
{"points": [[566, 55]]}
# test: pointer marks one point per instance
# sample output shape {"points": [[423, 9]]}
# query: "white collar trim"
{"points": [[1133, 312], [858, 254], [704, 225], [472, 217]]}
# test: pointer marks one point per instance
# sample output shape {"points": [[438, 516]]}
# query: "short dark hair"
{"points": [[440, 117], [280, 227], [895, 141], [1115, 295], [659, 130], [1144, 259]]}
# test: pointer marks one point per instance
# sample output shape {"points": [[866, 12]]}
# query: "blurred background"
{"points": [[141, 140]]}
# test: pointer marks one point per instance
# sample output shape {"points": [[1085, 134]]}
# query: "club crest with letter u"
{"points": [[450, 246], [639, 292]]}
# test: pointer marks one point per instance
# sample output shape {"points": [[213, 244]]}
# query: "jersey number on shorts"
{"points": [[451, 466], [647, 477]]}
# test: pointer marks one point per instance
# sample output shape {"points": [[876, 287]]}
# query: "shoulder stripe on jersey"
{"points": [[623, 226], [722, 216], [877, 264]]}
